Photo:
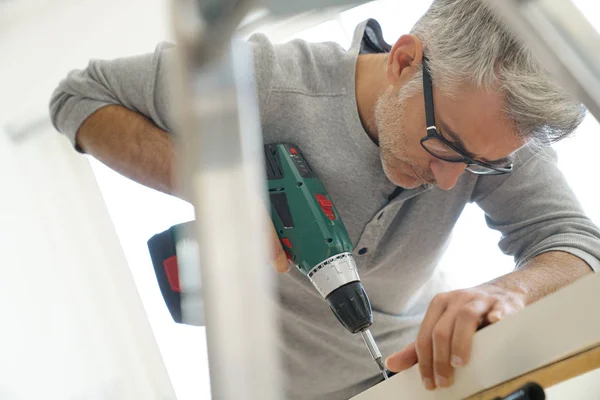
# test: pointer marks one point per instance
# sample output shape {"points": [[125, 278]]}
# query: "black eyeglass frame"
{"points": [[432, 133]]}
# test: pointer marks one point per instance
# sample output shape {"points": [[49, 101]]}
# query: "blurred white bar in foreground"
{"points": [[73, 326], [563, 38]]}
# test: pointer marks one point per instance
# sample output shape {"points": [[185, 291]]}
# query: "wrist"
{"points": [[508, 286]]}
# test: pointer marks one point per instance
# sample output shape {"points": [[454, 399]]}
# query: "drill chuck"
{"points": [[351, 306]]}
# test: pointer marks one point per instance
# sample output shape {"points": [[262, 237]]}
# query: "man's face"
{"points": [[474, 117]]}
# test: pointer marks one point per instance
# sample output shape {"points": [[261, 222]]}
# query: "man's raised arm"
{"points": [[119, 111], [130, 144]]}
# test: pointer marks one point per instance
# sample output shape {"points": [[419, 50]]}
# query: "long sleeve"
{"points": [[142, 83], [536, 211]]}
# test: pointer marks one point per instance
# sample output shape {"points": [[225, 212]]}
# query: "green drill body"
{"points": [[302, 211]]}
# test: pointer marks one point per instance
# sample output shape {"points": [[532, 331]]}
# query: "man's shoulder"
{"points": [[323, 68], [302, 67]]}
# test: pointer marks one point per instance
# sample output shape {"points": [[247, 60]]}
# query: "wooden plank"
{"points": [[554, 328], [547, 376]]}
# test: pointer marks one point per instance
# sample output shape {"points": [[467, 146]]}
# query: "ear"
{"points": [[404, 58]]}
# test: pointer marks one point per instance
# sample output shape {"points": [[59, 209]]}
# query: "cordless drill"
{"points": [[312, 235]]}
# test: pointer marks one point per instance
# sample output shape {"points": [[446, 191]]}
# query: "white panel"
{"points": [[72, 323], [548, 330]]}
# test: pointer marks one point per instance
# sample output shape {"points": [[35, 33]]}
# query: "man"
{"points": [[402, 137]]}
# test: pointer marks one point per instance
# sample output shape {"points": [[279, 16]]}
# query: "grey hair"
{"points": [[465, 42]]}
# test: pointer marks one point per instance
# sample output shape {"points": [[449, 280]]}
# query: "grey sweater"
{"points": [[307, 97]]}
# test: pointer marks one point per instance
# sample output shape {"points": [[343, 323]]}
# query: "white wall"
{"points": [[40, 43]]}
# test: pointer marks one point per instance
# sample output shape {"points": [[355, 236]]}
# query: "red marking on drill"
{"points": [[287, 243], [326, 206]]}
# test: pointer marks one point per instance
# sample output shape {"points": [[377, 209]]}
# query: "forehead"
{"points": [[478, 117]]}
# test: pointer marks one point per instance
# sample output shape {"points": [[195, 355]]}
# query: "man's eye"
{"points": [[441, 133], [449, 140]]}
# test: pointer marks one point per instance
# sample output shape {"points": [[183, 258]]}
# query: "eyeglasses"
{"points": [[436, 145]]}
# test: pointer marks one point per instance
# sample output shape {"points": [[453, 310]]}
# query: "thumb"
{"points": [[278, 256], [499, 311], [403, 359]]}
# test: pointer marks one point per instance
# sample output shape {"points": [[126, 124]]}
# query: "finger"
{"points": [[403, 359], [442, 338], [278, 256], [467, 320], [424, 344]]}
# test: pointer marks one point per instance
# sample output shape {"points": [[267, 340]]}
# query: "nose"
{"points": [[446, 174]]}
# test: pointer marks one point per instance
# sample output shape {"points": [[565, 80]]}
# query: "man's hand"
{"points": [[278, 257], [444, 340], [134, 146]]}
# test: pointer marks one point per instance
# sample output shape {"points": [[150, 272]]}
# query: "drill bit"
{"points": [[374, 350]]}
